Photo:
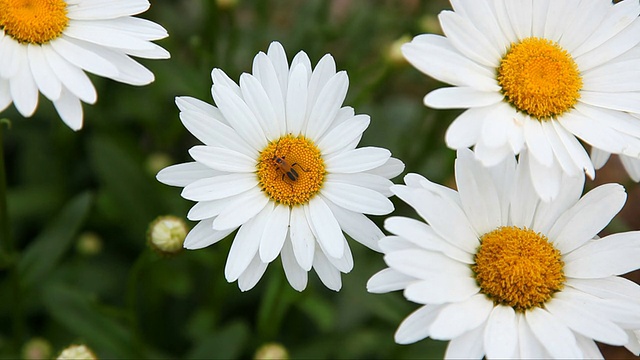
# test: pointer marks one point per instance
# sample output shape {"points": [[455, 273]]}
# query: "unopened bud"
{"points": [[271, 351], [166, 234], [77, 352], [37, 349]]}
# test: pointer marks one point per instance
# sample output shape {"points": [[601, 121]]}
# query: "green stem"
{"points": [[132, 300], [5, 239]]}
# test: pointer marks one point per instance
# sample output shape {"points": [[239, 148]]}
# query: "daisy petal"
{"points": [[328, 274], [501, 333], [275, 233], [357, 160], [296, 275], [612, 255], [219, 187], [415, 327], [245, 245], [466, 346], [69, 108], [357, 198], [302, 239], [241, 209], [461, 98], [325, 227], [327, 105], [556, 337], [388, 280], [202, 235], [184, 174], [296, 104], [223, 159], [457, 318], [252, 275]]}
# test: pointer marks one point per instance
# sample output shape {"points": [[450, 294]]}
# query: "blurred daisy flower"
{"points": [[46, 45], [280, 163], [503, 274], [537, 74]]}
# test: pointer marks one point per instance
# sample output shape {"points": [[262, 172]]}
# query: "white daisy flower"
{"points": [[503, 274], [280, 163], [537, 74], [46, 45]]}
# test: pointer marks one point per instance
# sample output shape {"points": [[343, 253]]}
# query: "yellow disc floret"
{"points": [[33, 21], [539, 78], [518, 267], [291, 170]]}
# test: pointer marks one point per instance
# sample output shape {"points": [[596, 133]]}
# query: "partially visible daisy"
{"points": [[537, 74], [47, 45], [280, 163], [502, 274]]}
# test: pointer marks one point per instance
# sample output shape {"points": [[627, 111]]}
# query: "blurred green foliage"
{"points": [[123, 300]]}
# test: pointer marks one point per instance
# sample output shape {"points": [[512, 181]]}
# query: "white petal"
{"points": [[69, 108], [422, 235], [202, 235], [236, 111], [5, 94], [129, 71], [93, 32], [530, 347], [537, 142], [623, 41], [278, 58], [390, 169], [258, 101], [356, 198], [366, 180], [302, 239], [457, 318], [415, 327], [72, 77], [96, 9], [423, 264], [466, 128], [265, 72], [587, 217], [12, 56], [219, 77], [296, 100], [47, 81], [73, 51], [241, 209], [324, 70], [466, 346], [223, 159], [445, 217], [388, 280], [441, 289], [325, 227], [519, 12], [586, 323], [245, 245], [275, 233], [358, 226], [327, 105], [461, 98], [557, 339], [206, 209], [501, 333], [184, 174], [252, 275], [612, 255], [468, 40], [215, 133], [435, 56], [328, 274], [219, 187], [479, 195], [623, 101], [357, 160], [24, 90], [296, 275], [546, 179], [339, 137]]}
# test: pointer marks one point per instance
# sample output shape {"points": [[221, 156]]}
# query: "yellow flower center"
{"points": [[33, 21], [539, 78], [518, 267], [291, 170]]}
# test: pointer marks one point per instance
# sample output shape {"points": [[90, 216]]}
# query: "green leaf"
{"points": [[225, 344], [129, 193], [48, 248], [81, 314]]}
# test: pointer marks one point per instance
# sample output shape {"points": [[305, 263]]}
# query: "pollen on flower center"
{"points": [[291, 170], [33, 21], [539, 78], [518, 267]]}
